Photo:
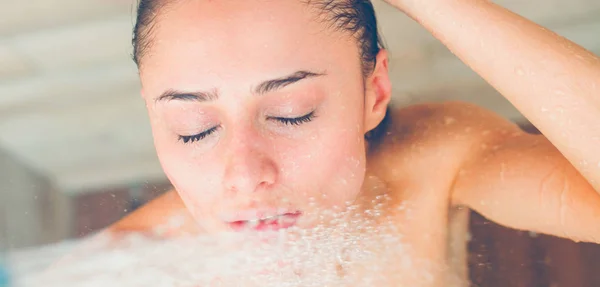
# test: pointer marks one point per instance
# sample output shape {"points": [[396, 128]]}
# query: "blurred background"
{"points": [[76, 152]]}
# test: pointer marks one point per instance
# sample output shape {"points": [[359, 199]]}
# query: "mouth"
{"points": [[267, 223]]}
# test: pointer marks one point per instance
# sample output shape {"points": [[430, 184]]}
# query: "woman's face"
{"points": [[257, 110]]}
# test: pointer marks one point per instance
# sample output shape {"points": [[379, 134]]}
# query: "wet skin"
{"points": [[433, 158]]}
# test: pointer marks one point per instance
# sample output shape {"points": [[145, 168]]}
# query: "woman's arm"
{"points": [[552, 81]]}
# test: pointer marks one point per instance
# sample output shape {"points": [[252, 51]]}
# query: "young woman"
{"points": [[265, 112]]}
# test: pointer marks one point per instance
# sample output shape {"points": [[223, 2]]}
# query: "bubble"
{"points": [[358, 246]]}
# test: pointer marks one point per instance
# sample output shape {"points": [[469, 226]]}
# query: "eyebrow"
{"points": [[263, 88]]}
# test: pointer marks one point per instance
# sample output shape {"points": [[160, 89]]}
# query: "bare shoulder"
{"points": [[443, 120], [166, 214], [451, 124], [435, 135]]}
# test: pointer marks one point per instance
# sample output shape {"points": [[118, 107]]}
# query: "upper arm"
{"points": [[522, 181]]}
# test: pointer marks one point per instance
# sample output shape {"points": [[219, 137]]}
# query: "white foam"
{"points": [[357, 252]]}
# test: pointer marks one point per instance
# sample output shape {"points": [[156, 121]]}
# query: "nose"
{"points": [[248, 166]]}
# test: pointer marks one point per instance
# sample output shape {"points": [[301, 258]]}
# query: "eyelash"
{"points": [[296, 121], [286, 121], [198, 137]]}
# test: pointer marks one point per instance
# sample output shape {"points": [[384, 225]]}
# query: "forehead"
{"points": [[204, 44]]}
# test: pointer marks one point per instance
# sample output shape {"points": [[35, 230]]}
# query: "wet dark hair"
{"points": [[355, 17]]}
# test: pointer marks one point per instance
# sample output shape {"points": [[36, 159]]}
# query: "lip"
{"points": [[264, 220], [255, 213]]}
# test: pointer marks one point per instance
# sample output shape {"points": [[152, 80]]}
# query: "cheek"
{"points": [[177, 158], [345, 166], [345, 156], [196, 181], [329, 168]]}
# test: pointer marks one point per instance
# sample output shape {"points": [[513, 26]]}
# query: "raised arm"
{"points": [[552, 81]]}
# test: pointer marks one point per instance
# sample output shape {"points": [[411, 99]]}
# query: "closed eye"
{"points": [[198, 137], [286, 121], [295, 121]]}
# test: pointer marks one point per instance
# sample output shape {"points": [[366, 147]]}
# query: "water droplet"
{"points": [[469, 236], [449, 120], [519, 71]]}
